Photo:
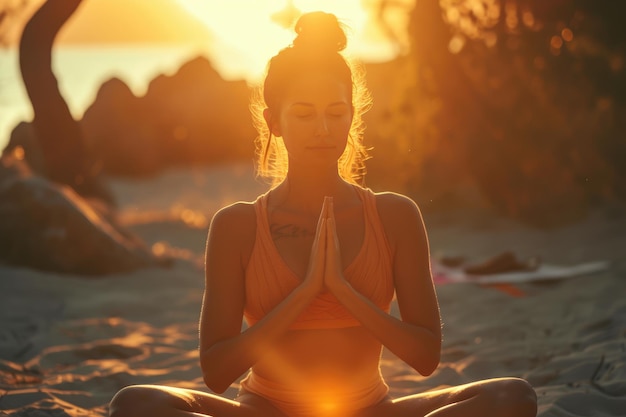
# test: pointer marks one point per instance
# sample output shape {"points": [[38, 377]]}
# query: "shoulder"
{"points": [[393, 206], [240, 213], [399, 214], [234, 227]]}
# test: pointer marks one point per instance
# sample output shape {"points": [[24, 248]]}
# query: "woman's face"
{"points": [[315, 118]]}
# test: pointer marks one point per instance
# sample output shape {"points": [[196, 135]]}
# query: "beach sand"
{"points": [[68, 343]]}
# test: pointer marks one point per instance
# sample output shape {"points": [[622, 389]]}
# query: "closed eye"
{"points": [[338, 110], [302, 110]]}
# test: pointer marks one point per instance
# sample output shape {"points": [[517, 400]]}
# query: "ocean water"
{"points": [[80, 72]]}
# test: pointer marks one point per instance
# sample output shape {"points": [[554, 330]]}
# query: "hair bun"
{"points": [[320, 31]]}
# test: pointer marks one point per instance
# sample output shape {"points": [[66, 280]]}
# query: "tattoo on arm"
{"points": [[279, 231]]}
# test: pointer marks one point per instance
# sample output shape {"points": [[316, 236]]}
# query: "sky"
{"points": [[251, 30], [133, 22]]}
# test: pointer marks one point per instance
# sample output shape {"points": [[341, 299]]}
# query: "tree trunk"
{"points": [[63, 146]]}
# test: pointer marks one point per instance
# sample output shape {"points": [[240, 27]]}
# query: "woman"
{"points": [[312, 265]]}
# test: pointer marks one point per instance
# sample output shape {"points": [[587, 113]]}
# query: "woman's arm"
{"points": [[416, 339], [225, 351]]}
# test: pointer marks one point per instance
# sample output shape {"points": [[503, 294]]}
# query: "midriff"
{"points": [[341, 357]]}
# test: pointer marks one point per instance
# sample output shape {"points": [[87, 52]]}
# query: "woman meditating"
{"points": [[313, 265]]}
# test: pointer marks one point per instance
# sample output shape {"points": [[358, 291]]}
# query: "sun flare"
{"points": [[249, 32]]}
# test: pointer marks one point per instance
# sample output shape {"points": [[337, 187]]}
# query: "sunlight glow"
{"points": [[249, 32], [328, 408]]}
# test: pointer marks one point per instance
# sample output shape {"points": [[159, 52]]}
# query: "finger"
{"points": [[318, 249], [330, 211], [320, 236], [322, 241], [331, 231], [332, 241], [322, 216], [317, 259], [333, 258], [318, 232], [327, 201], [330, 249]]}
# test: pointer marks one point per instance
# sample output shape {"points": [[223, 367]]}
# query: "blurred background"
{"points": [[515, 106]]}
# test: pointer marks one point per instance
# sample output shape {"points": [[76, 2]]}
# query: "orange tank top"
{"points": [[268, 279]]}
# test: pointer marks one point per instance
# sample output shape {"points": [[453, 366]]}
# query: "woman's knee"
{"points": [[514, 395], [137, 400]]}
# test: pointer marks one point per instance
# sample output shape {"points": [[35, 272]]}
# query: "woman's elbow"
{"points": [[426, 361], [215, 383], [215, 377], [427, 367]]}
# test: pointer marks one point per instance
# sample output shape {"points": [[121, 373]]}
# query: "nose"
{"points": [[322, 126]]}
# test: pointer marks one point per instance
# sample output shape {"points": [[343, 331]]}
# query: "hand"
{"points": [[314, 279], [333, 270]]}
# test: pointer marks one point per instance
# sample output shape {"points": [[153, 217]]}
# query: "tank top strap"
{"points": [[262, 222], [372, 218]]}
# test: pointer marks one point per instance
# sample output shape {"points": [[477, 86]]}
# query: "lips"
{"points": [[321, 147]]}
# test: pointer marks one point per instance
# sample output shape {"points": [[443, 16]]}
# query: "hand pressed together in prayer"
{"points": [[325, 271], [333, 270]]}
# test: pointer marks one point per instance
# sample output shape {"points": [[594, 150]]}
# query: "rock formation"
{"points": [[48, 226], [191, 117]]}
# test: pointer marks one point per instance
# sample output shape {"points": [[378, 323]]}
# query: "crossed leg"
{"points": [[156, 401], [511, 397]]}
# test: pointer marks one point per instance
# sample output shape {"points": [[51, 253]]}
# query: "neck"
{"points": [[304, 191]]}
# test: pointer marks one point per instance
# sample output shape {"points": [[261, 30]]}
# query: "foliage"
{"points": [[523, 100]]}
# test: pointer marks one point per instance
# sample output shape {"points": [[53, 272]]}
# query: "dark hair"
{"points": [[319, 41]]}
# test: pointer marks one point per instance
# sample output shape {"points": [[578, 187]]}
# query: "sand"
{"points": [[68, 343]]}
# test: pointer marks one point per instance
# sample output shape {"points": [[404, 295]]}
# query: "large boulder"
{"points": [[48, 226], [24, 140], [121, 132], [191, 117], [206, 119], [25, 144]]}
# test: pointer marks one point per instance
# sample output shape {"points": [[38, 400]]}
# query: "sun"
{"points": [[249, 32]]}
